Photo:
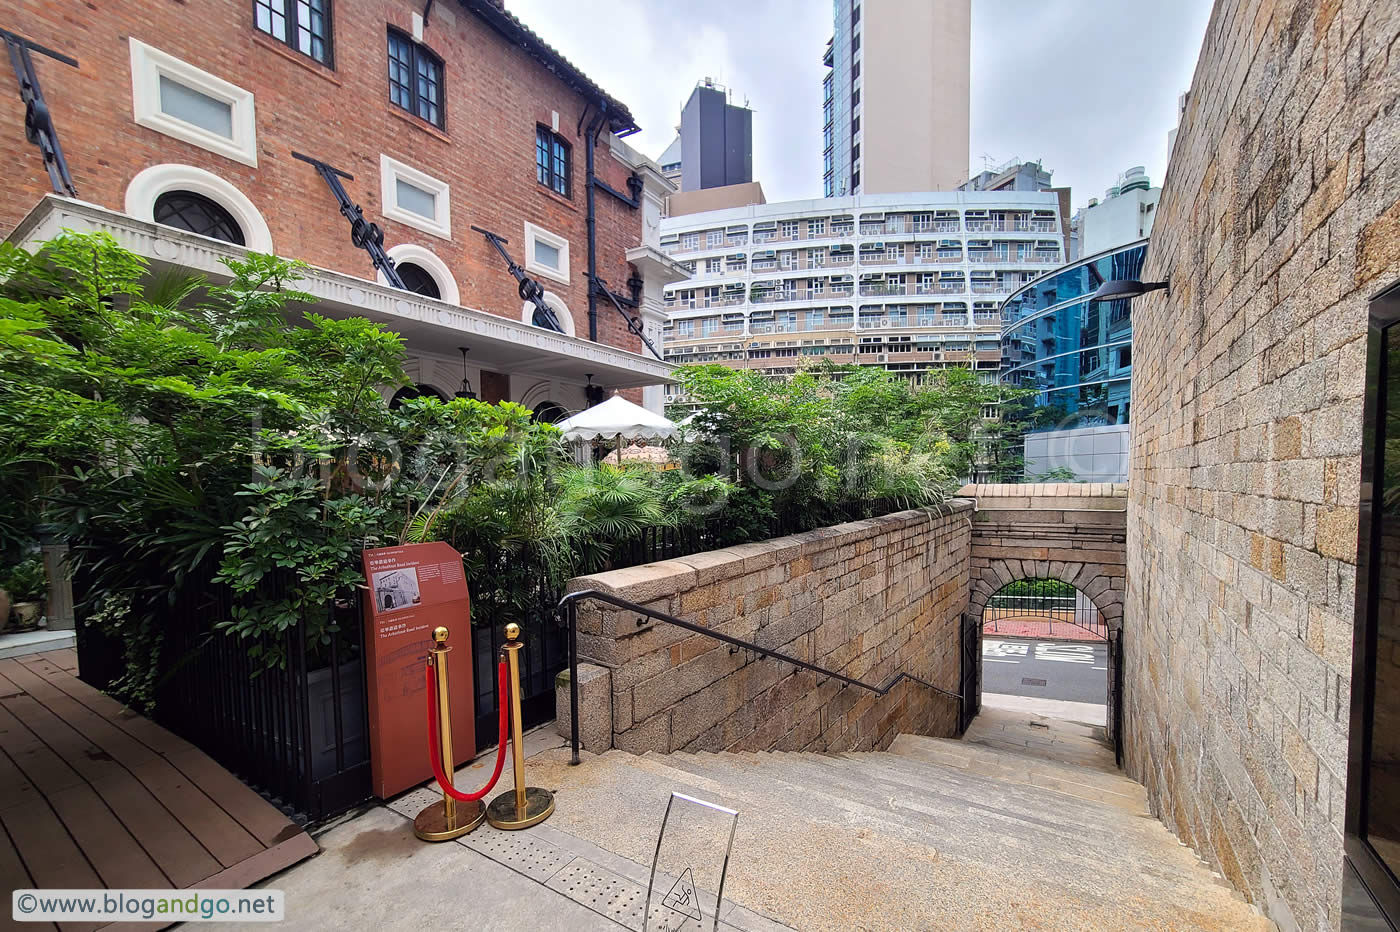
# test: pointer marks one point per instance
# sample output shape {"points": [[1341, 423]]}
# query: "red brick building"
{"points": [[179, 123]]}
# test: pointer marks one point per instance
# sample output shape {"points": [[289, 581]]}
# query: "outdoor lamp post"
{"points": [[1127, 289]]}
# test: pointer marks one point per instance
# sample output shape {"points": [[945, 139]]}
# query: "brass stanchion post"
{"points": [[447, 818], [523, 806]]}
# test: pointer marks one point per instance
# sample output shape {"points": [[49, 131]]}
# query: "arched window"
{"points": [[418, 279], [423, 272], [549, 412], [197, 214], [408, 393], [200, 201], [561, 311]]}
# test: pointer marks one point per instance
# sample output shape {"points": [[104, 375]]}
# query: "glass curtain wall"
{"points": [[1076, 354]]}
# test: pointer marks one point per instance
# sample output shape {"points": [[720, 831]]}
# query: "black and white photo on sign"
{"points": [[396, 589]]}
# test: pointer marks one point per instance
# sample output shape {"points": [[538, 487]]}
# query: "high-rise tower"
{"points": [[896, 100]]}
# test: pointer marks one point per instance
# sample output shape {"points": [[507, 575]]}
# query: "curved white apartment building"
{"points": [[909, 282]]}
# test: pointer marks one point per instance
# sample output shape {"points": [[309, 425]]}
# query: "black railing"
{"points": [[668, 543], [1115, 650], [568, 605]]}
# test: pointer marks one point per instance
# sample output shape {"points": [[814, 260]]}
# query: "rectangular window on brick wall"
{"points": [[546, 253], [553, 161], [305, 25], [414, 197], [174, 97], [415, 78]]}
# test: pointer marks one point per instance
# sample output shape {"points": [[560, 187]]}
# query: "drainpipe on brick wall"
{"points": [[590, 142], [592, 182]]}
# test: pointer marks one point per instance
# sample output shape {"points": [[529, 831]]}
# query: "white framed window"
{"points": [[690, 241], [714, 238], [414, 198], [546, 253], [174, 97], [789, 229]]}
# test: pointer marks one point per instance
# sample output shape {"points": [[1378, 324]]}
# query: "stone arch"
{"points": [[430, 262], [1095, 580], [150, 183], [561, 311]]}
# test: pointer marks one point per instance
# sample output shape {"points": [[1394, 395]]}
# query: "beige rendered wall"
{"points": [[917, 62], [1278, 220], [722, 198]]}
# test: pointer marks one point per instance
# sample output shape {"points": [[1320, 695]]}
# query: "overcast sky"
{"points": [[1089, 87]]}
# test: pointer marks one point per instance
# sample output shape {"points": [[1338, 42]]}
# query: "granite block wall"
{"points": [[1278, 219], [867, 599]]}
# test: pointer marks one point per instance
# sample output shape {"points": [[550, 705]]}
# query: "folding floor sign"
{"points": [[686, 888]]}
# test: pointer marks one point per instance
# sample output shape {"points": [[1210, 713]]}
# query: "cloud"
{"points": [[1087, 86]]}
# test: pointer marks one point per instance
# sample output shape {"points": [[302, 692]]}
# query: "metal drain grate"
{"points": [[1032, 681], [604, 892], [520, 851]]}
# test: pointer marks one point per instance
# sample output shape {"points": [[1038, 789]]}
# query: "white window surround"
{"points": [[149, 65], [428, 261], [156, 180], [540, 234], [561, 310], [391, 172]]}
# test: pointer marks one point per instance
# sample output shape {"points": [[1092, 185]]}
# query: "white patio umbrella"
{"points": [[617, 418]]}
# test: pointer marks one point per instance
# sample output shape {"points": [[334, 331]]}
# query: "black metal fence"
{"points": [[1047, 601], [298, 733]]}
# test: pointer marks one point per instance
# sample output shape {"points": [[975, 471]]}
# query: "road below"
{"points": [[1045, 669]]}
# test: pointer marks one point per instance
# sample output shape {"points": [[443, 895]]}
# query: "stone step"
{"points": [[1014, 766], [890, 841], [1129, 797], [980, 822], [1043, 737]]}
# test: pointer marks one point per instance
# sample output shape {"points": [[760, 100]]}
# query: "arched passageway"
{"points": [[1064, 535], [1044, 651]]}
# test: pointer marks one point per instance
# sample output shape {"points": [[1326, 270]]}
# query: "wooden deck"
{"points": [[94, 795]]}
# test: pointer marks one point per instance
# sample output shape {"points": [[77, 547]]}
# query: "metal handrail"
{"points": [[569, 605]]}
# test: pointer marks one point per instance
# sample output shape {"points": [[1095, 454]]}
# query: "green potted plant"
{"points": [[27, 585]]}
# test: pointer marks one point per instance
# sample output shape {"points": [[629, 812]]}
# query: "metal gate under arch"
{"points": [[1043, 602], [971, 690]]}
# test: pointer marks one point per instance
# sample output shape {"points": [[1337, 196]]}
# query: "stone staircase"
{"points": [[1025, 823]]}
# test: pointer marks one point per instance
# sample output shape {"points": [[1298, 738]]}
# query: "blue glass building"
{"points": [[1076, 354]]}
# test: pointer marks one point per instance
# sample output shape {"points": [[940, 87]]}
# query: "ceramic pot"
{"points": [[27, 614]]}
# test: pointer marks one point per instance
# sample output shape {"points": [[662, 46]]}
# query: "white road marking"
{"points": [[1100, 668], [1064, 653], [995, 660]]}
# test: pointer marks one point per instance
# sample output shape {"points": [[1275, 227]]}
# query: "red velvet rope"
{"points": [[443, 780]]}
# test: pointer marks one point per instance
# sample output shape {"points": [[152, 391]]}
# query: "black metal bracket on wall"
{"points": [[599, 287], [39, 127], [364, 234], [529, 289]]}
